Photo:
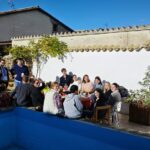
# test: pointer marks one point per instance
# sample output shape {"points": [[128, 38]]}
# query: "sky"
{"points": [[91, 14]]}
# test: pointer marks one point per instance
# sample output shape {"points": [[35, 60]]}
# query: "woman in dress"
{"points": [[87, 86]]}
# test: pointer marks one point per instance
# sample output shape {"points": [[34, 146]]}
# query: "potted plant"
{"points": [[139, 109]]}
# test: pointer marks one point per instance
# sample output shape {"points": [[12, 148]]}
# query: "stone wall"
{"points": [[130, 39]]}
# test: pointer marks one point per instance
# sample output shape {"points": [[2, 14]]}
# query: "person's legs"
{"points": [[17, 83], [115, 117]]}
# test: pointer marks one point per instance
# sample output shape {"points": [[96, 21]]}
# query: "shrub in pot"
{"points": [[139, 109]]}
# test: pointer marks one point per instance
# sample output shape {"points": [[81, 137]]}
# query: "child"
{"points": [[52, 102]]}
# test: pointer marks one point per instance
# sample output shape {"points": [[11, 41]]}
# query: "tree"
{"points": [[40, 51]]}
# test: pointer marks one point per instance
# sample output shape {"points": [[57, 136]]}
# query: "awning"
{"points": [[3, 43]]}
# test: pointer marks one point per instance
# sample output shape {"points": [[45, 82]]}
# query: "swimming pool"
{"points": [[23, 129]]}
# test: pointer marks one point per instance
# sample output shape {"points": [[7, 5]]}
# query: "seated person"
{"points": [[23, 92], [66, 79], [72, 104], [117, 103], [75, 81], [97, 99], [52, 101], [87, 86], [98, 83], [107, 92], [36, 93], [116, 96], [32, 79], [100, 101]]}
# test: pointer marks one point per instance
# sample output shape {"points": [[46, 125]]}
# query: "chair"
{"points": [[108, 112]]}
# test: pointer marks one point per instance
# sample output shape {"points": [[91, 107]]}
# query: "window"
{"points": [[55, 27]]}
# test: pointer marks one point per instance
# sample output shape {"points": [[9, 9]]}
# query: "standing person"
{"points": [[19, 70], [23, 92], [65, 79], [117, 103], [75, 81], [98, 83], [36, 93], [4, 75], [87, 86], [52, 101]]}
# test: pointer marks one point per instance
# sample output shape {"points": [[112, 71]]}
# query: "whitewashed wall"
{"points": [[125, 68]]}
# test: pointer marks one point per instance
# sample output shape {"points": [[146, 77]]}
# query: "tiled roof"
{"points": [[96, 31], [109, 48]]}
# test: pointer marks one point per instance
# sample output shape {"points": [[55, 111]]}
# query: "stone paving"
{"points": [[126, 125]]}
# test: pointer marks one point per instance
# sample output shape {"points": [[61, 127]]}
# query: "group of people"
{"points": [[18, 70], [65, 97]]}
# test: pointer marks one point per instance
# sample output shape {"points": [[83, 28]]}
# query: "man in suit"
{"points": [[4, 75]]}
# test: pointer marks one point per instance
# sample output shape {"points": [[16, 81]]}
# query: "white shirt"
{"points": [[75, 83], [69, 106], [49, 103]]}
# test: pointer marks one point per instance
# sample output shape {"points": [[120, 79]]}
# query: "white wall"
{"points": [[125, 68]]}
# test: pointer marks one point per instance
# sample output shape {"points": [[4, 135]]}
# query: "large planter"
{"points": [[139, 114]]}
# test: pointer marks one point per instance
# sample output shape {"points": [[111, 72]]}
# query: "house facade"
{"points": [[28, 21]]}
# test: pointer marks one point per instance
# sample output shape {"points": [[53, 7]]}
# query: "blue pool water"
{"points": [[13, 148], [22, 129]]}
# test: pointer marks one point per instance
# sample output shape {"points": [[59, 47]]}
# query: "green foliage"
{"points": [[40, 51], [144, 93], [21, 52], [52, 46]]}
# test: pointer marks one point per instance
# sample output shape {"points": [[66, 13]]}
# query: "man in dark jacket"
{"points": [[23, 93], [4, 75], [65, 79], [36, 93]]}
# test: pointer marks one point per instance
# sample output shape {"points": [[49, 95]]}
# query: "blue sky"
{"points": [[91, 14]]}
